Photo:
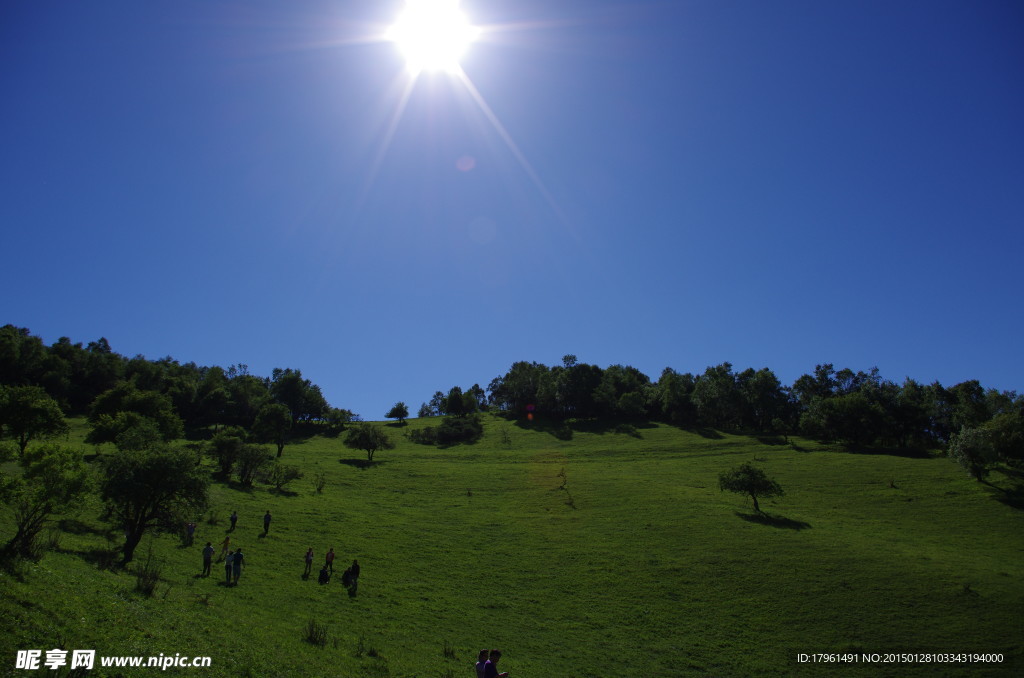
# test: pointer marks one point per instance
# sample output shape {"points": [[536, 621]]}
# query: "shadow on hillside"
{"points": [[780, 522], [395, 424], [72, 526], [907, 452], [101, 558], [705, 432], [283, 492], [1012, 497], [771, 440], [360, 463], [565, 429]]}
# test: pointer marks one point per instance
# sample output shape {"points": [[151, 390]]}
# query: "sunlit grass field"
{"points": [[600, 554]]}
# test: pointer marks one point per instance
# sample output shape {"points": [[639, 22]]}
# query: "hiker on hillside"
{"points": [[480, 661], [309, 562], [190, 533], [234, 519], [236, 565], [207, 558], [491, 666], [227, 566], [325, 576], [266, 522], [224, 546], [354, 569], [330, 560]]}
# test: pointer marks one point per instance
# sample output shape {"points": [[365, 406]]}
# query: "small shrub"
{"points": [[448, 651], [455, 430], [281, 474], [424, 436], [319, 482], [316, 633], [147, 576]]}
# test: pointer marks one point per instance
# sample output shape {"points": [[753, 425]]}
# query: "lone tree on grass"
{"points": [[368, 437], [400, 411], [27, 413], [750, 480], [974, 450], [152, 488], [272, 425], [53, 480]]}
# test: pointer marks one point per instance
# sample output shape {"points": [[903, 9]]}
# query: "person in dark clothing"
{"points": [[491, 666], [309, 562], [236, 565], [325, 576], [266, 522], [234, 519], [207, 558]]}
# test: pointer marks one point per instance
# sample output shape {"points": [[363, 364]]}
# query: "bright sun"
{"points": [[432, 34]]}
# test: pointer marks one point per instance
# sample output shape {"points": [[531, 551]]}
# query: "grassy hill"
{"points": [[589, 553]]}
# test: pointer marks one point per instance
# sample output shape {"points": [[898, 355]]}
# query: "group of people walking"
{"points": [[487, 664], [349, 578], [234, 560]]}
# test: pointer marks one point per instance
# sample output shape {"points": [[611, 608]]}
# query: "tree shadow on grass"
{"points": [[362, 464], [780, 522], [907, 452], [283, 492], [101, 558], [1012, 497], [72, 526]]}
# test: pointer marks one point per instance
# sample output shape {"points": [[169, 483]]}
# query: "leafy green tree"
{"points": [[974, 450], [252, 459], [338, 418], [749, 480], [1007, 432], [53, 479], [280, 475], [27, 413], [152, 489], [226, 449], [273, 423], [718, 401], [126, 398], [302, 398], [425, 411], [369, 438], [455, 404], [399, 412], [437, 404]]}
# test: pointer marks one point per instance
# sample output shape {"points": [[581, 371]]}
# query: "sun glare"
{"points": [[432, 35]]}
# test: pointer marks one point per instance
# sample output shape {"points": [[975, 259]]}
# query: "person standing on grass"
{"points": [[234, 519], [190, 533], [224, 546], [491, 666], [324, 575], [266, 522], [227, 566], [480, 661], [236, 565], [309, 562], [207, 558], [330, 560], [355, 571]]}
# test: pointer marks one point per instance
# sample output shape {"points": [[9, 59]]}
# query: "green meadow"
{"points": [[599, 554]]}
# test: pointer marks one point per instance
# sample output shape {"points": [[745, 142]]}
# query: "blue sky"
{"points": [[649, 183]]}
